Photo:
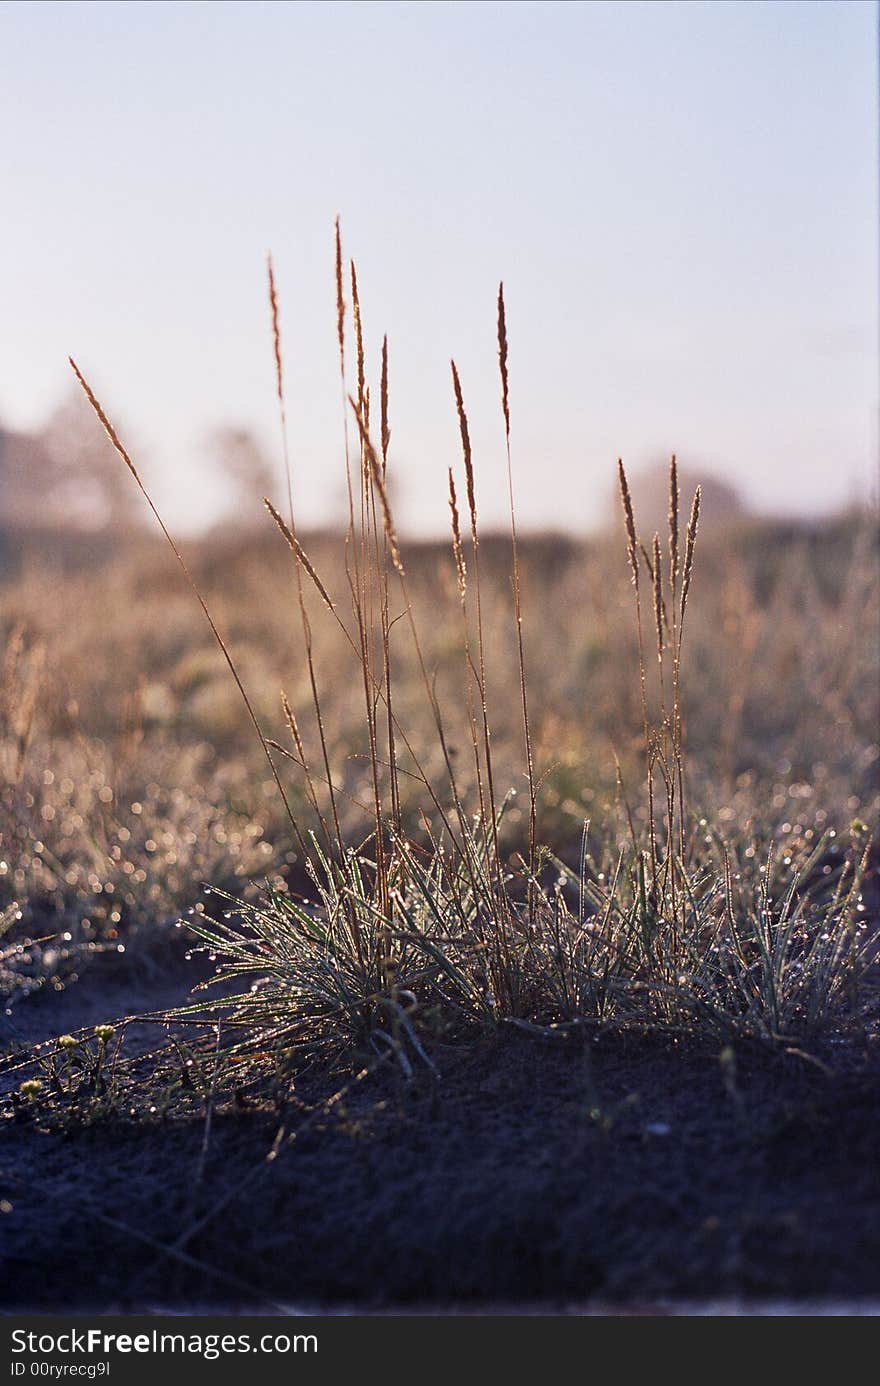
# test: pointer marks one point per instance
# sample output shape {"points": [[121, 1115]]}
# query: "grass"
{"points": [[694, 855]]}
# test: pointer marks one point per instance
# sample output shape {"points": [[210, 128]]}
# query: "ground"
{"points": [[620, 1170], [628, 1170]]}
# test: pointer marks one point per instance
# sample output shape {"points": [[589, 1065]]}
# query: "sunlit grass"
{"points": [[486, 788]]}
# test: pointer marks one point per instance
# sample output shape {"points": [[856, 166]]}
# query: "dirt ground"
{"points": [[625, 1170]]}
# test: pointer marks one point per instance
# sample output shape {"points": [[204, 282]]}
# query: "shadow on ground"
{"points": [[626, 1170]]}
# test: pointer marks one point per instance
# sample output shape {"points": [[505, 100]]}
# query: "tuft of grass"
{"points": [[424, 909]]}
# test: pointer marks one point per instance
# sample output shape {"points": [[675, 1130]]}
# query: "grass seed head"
{"points": [[340, 298], [460, 566], [465, 447], [276, 333], [632, 542], [673, 523], [690, 541], [657, 579], [502, 360], [385, 431]]}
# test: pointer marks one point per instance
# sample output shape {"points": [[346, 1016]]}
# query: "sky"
{"points": [[681, 200]]}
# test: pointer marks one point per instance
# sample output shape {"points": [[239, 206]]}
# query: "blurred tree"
{"points": [[94, 488], [27, 478], [245, 464], [65, 476]]}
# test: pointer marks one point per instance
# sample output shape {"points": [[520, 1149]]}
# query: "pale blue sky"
{"points": [[681, 199]]}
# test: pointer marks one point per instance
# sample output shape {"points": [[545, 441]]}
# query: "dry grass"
{"points": [[417, 695]]}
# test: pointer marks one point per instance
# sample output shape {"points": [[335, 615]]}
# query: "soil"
{"points": [[628, 1170]]}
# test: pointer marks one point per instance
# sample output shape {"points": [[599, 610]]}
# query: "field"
{"points": [[530, 885]]}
